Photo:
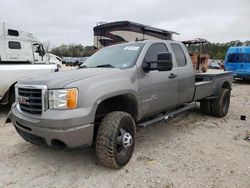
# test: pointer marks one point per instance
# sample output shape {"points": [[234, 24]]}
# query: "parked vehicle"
{"points": [[106, 34], [17, 46], [238, 61], [64, 60], [11, 73], [54, 59], [74, 61], [215, 65], [81, 60], [221, 63], [121, 86], [69, 61]]}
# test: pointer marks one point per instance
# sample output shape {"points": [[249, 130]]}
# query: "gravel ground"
{"points": [[192, 150]]}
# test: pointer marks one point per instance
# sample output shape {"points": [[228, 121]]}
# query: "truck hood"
{"points": [[60, 79]]}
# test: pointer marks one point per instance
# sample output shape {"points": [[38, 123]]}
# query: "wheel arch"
{"points": [[226, 85], [122, 102], [5, 99]]}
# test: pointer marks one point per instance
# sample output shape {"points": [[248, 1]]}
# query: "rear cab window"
{"points": [[179, 55]]}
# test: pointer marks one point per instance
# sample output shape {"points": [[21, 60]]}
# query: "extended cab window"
{"points": [[14, 45], [179, 55], [153, 51]]}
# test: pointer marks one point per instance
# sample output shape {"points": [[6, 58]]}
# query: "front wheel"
{"points": [[115, 139]]}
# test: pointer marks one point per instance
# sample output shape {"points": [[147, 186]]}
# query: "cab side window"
{"points": [[179, 55], [14, 45], [153, 51], [12, 32]]}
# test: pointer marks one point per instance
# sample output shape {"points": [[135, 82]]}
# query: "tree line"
{"points": [[73, 50], [215, 50]]}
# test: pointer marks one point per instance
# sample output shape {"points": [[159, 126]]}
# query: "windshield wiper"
{"points": [[106, 66]]}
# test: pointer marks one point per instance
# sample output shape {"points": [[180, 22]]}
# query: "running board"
{"points": [[167, 116]]}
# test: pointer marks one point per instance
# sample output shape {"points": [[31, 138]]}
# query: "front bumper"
{"points": [[68, 130]]}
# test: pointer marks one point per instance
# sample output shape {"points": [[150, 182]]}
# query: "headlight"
{"points": [[63, 98]]}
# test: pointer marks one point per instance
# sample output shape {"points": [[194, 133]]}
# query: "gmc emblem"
{"points": [[23, 100]]}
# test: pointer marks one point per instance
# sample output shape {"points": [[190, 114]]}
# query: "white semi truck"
{"points": [[17, 46]]}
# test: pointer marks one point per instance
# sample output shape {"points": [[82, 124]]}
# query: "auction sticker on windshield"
{"points": [[131, 48]]}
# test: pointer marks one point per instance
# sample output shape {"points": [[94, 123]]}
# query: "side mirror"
{"points": [[163, 63]]}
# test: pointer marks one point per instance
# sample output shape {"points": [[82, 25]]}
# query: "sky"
{"points": [[72, 21]]}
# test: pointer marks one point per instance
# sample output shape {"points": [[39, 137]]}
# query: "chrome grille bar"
{"points": [[31, 99]]}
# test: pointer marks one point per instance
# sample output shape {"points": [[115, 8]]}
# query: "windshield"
{"points": [[238, 57], [119, 56]]}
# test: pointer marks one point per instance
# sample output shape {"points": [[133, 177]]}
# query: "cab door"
{"points": [[13, 50], [158, 89], [185, 71], [39, 53]]}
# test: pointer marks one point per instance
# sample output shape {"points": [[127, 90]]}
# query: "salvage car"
{"points": [[116, 89]]}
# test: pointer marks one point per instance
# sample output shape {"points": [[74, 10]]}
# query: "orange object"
{"points": [[72, 96]]}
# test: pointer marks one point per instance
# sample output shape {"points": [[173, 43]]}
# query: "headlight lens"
{"points": [[63, 98]]}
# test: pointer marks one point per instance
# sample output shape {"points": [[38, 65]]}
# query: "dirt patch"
{"points": [[192, 150]]}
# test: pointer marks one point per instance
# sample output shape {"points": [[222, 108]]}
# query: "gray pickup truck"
{"points": [[115, 90]]}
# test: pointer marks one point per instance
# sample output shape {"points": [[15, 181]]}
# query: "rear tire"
{"points": [[220, 106], [115, 139]]}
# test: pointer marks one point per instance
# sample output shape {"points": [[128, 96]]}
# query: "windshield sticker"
{"points": [[124, 65], [131, 48]]}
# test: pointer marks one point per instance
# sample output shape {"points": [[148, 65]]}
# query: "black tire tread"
{"points": [[105, 138], [216, 104]]}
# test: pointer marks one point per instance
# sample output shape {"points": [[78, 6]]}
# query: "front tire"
{"points": [[115, 139]]}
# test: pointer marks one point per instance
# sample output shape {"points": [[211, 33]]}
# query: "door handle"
{"points": [[172, 76]]}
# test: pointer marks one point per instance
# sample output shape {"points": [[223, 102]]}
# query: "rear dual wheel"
{"points": [[217, 107], [220, 106]]}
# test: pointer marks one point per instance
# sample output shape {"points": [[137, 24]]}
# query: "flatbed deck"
{"points": [[208, 84]]}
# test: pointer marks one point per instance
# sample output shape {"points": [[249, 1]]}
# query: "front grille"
{"points": [[30, 100]]}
